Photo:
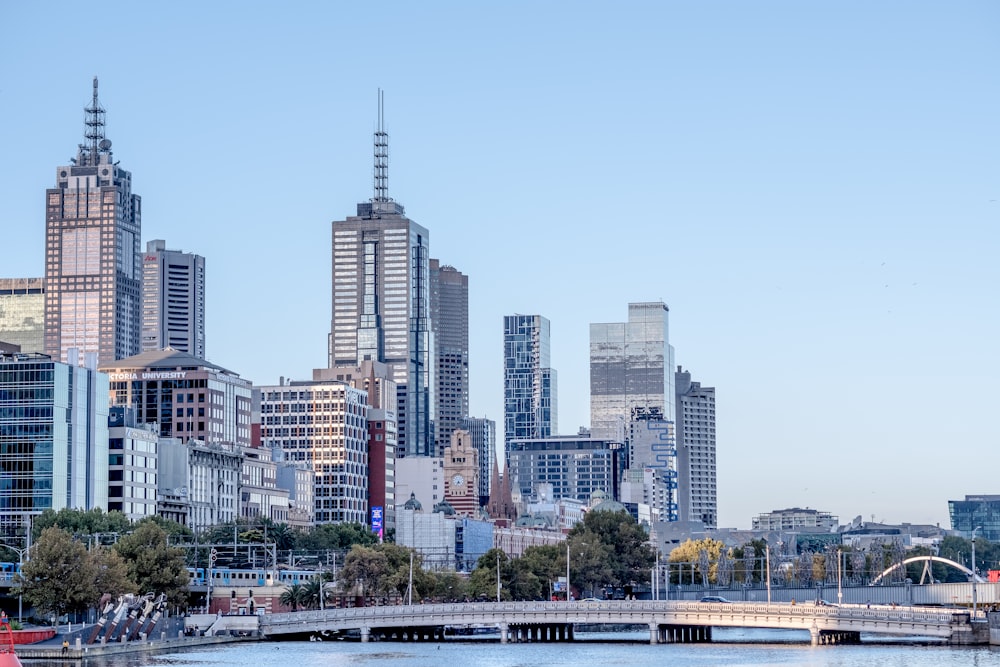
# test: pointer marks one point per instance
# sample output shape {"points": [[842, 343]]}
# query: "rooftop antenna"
{"points": [[94, 128], [381, 156]]}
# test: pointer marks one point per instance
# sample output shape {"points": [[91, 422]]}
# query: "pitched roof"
{"points": [[165, 358]]}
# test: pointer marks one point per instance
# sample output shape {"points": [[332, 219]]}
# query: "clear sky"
{"points": [[812, 187]]}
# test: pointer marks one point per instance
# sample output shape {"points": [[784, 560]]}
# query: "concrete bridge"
{"points": [[667, 621]]}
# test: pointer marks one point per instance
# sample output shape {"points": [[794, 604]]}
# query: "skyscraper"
{"points": [[632, 396], [22, 313], [483, 435], [381, 302], [93, 260], [173, 300], [450, 324], [696, 450], [529, 383]]}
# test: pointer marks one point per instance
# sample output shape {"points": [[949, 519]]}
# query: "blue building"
{"points": [[529, 384], [53, 436]]}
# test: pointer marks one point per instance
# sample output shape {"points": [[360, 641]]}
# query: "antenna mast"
{"points": [[381, 156], [94, 128]]}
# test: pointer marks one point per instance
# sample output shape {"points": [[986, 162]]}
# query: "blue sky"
{"points": [[812, 187]]}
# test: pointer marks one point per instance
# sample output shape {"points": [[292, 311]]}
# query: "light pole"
{"points": [[498, 576], [567, 569], [767, 559], [840, 588], [974, 570]]}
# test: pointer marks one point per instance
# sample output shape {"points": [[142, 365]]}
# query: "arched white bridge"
{"points": [[667, 621], [927, 561]]}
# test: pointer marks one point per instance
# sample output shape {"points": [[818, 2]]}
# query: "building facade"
{"points": [[795, 518], [461, 474], [980, 512], [201, 479], [188, 397], [572, 466], [381, 303], [529, 385], [53, 436], [173, 300], [93, 259], [483, 435], [22, 313], [695, 407], [132, 469], [325, 426], [450, 324]]}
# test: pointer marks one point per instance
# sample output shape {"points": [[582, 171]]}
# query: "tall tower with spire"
{"points": [[381, 301], [93, 259]]}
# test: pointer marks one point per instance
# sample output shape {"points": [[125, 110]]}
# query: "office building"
{"points": [[695, 407], [381, 303], [132, 454], [323, 424], [977, 512], [22, 313], [93, 258], [198, 482], [632, 397], [188, 397], [483, 436], [571, 466], [173, 300], [529, 384], [373, 378], [450, 324], [53, 436]]}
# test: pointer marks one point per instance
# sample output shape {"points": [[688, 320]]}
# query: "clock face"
{"points": [[457, 480]]}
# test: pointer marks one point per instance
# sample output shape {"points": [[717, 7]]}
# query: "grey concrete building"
{"points": [[697, 497], [450, 324], [173, 300], [132, 468], [574, 466]]}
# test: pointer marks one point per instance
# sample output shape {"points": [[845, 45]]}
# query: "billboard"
{"points": [[377, 521]]}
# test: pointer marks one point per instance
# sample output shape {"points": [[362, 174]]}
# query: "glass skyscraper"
{"points": [[93, 260], [22, 313], [53, 437], [529, 384], [381, 304]]}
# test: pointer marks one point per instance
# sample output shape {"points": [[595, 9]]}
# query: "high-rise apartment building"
{"points": [[132, 470], [529, 383], [53, 436], [381, 303], [695, 406], [450, 324], [93, 258], [173, 300], [632, 396], [22, 313], [483, 436]]}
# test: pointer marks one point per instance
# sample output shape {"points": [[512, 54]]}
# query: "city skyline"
{"points": [[821, 219]]}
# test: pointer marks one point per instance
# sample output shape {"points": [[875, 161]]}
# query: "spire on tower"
{"points": [[93, 131], [381, 156]]}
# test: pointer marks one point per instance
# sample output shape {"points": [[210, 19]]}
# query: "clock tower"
{"points": [[461, 474]]}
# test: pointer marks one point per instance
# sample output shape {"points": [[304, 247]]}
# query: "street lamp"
{"points": [[974, 570], [767, 558]]}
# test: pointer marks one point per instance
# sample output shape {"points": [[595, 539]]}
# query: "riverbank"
{"points": [[52, 649]]}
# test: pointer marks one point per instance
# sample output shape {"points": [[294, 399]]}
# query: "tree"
{"points": [[82, 523], [448, 587], [690, 551], [153, 565], [336, 537], [60, 577], [627, 556], [110, 573], [483, 579], [366, 567], [292, 596]]}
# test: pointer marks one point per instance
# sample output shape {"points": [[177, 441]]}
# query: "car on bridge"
{"points": [[824, 603], [713, 598]]}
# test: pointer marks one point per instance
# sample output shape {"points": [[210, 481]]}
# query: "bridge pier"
{"points": [[503, 633], [680, 634], [365, 634]]}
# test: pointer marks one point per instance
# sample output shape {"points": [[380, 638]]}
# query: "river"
{"points": [[733, 647]]}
